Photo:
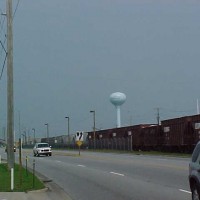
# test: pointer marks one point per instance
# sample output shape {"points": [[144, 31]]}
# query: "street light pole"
{"points": [[22, 139], [94, 129], [68, 130], [33, 134], [25, 137], [47, 131]]}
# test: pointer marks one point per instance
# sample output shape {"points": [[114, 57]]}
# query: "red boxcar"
{"points": [[127, 138], [152, 137], [181, 134]]}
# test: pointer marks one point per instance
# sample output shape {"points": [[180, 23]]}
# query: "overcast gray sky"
{"points": [[70, 55]]}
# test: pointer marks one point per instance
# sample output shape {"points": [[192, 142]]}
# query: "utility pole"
{"points": [[33, 135], [68, 131], [47, 131], [10, 106], [94, 128], [158, 116], [4, 133], [197, 106]]}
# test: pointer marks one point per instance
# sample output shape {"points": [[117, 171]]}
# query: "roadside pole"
{"points": [[79, 140], [26, 165], [12, 179], [79, 143], [10, 101], [34, 173], [20, 162]]}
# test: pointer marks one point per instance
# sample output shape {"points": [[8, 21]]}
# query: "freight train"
{"points": [[172, 135]]}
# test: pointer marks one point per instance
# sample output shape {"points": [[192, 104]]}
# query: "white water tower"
{"points": [[117, 99]]}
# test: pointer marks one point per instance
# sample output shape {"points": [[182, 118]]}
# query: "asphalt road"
{"points": [[115, 176]]}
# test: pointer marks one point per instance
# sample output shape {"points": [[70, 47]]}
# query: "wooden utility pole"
{"points": [[94, 128], [47, 132], [68, 131], [158, 116], [10, 107]]}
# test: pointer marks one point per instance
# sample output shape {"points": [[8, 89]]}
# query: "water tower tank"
{"points": [[117, 99]]}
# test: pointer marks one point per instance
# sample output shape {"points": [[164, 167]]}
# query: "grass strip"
{"points": [[151, 153], [28, 181]]}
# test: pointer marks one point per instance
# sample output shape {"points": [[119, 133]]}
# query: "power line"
{"points": [[4, 58], [2, 21], [3, 66], [16, 8], [1, 29], [3, 16], [3, 46]]}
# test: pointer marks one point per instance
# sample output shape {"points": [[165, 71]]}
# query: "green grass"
{"points": [[27, 183]]}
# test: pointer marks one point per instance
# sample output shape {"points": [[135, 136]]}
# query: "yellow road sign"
{"points": [[79, 143]]}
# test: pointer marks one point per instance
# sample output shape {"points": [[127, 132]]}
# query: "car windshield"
{"points": [[43, 145]]}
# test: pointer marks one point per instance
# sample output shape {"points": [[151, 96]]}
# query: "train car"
{"points": [[137, 137], [101, 139], [181, 134], [195, 120], [152, 137], [123, 138], [174, 135]]}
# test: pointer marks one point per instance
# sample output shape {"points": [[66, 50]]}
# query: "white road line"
{"points": [[58, 161], [185, 191], [81, 165], [117, 173]]}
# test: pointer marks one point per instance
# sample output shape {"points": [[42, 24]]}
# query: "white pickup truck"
{"points": [[42, 149]]}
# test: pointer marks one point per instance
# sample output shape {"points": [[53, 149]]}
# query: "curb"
{"points": [[50, 186], [37, 191]]}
